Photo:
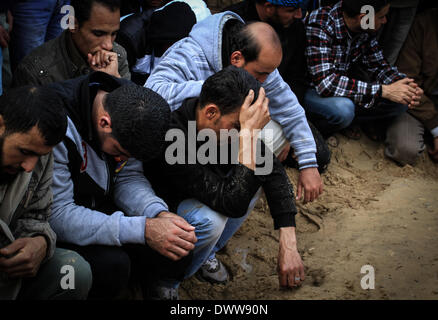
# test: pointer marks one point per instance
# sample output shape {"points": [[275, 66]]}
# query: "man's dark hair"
{"points": [[26, 107], [237, 37], [83, 8], [352, 8], [228, 89], [140, 120]]}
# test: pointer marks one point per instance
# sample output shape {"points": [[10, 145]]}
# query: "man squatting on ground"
{"points": [[337, 46], [209, 192], [104, 208], [32, 121], [221, 40]]}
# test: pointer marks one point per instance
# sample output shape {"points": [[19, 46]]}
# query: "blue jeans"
{"points": [[213, 230], [35, 22], [333, 114]]}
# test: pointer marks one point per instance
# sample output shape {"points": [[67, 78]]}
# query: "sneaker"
{"points": [[163, 293], [213, 271]]}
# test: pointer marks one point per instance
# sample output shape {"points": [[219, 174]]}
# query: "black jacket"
{"points": [[293, 67], [227, 189], [78, 96]]}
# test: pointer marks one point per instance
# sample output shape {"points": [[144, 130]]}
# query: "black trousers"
{"points": [[113, 268]]}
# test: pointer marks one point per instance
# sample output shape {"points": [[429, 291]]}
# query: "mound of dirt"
{"points": [[372, 212]]}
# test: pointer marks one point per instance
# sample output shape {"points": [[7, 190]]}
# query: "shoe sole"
{"points": [[200, 277]]}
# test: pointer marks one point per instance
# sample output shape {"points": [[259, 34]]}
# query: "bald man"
{"points": [[213, 44], [285, 17]]}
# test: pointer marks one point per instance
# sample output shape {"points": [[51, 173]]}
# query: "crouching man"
{"points": [[103, 206], [32, 121], [216, 191]]}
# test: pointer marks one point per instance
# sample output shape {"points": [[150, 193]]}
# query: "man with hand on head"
{"points": [[222, 40], [217, 196]]}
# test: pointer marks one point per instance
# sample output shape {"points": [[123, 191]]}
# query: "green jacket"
{"points": [[24, 211], [60, 60]]}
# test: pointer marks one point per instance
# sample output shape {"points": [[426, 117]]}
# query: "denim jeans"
{"points": [[213, 230], [333, 114], [35, 22]]}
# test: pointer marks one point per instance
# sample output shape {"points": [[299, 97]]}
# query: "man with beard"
{"points": [[104, 208], [32, 122]]}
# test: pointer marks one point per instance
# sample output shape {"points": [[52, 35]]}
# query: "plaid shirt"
{"points": [[332, 50]]}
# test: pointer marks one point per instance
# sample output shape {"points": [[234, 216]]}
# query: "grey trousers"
{"points": [[405, 140]]}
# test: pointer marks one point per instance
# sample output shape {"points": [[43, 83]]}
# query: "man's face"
{"points": [[99, 32], [269, 59], [112, 147], [380, 18], [21, 151], [210, 117], [227, 122], [285, 16]]}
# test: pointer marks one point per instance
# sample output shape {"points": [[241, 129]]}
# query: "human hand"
{"points": [[310, 185], [4, 37], [256, 115], [170, 235], [402, 91], [290, 267], [417, 97], [105, 61], [23, 257]]}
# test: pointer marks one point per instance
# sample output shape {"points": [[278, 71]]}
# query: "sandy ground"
{"points": [[372, 212]]}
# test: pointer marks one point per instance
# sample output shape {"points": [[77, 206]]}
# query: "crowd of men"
{"points": [[87, 178]]}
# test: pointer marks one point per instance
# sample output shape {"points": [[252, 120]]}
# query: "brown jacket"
{"points": [[59, 60], [419, 60]]}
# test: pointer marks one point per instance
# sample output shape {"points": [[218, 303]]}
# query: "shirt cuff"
{"points": [[284, 221], [307, 160], [152, 210], [434, 132], [131, 230]]}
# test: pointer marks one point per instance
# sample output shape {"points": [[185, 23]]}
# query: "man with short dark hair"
{"points": [[103, 206], [215, 43], [88, 46], [217, 186], [339, 39], [32, 122], [257, 49]]}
